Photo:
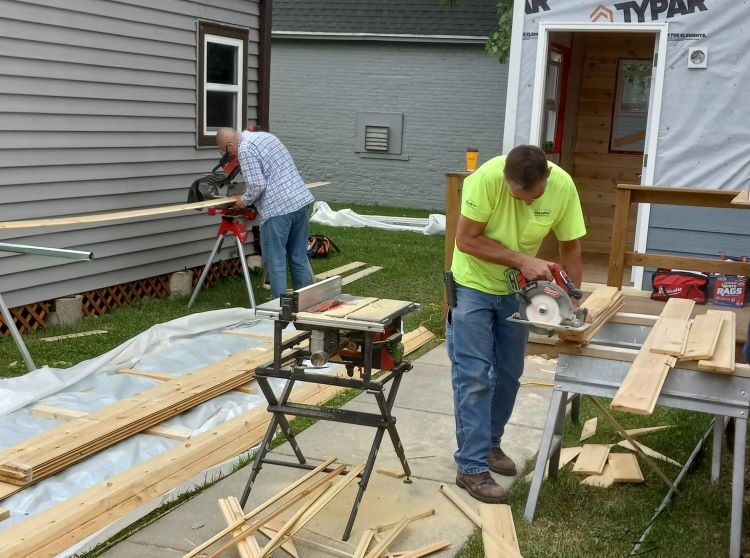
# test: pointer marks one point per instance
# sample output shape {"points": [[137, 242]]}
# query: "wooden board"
{"points": [[589, 429], [497, 523], [4, 514], [592, 459], [603, 480], [338, 270], [647, 430], [648, 451], [163, 377], [723, 359], [58, 413], [703, 336], [624, 467], [566, 456], [743, 198], [379, 310], [342, 310], [669, 334], [232, 512], [72, 335], [364, 273], [498, 531]]}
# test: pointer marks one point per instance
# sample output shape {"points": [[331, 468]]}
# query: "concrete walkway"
{"points": [[424, 412]]}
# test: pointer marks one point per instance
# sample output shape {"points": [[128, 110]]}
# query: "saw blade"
{"points": [[546, 303]]}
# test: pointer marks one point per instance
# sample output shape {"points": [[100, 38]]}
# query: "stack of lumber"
{"points": [[709, 339], [58, 528], [58, 448], [602, 304]]}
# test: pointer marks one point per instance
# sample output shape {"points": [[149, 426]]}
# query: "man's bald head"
{"points": [[227, 140]]}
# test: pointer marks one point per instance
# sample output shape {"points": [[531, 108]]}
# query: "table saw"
{"points": [[362, 335]]}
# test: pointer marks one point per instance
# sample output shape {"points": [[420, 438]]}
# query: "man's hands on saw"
{"points": [[536, 269]]}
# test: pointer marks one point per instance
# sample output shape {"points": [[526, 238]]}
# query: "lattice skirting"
{"points": [[100, 301]]}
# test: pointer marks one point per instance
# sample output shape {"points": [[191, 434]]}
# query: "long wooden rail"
{"points": [[629, 194]]}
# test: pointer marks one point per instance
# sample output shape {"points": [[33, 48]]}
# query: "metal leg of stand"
{"points": [[281, 419], [385, 409], [11, 325], [718, 442], [575, 407], [366, 472], [217, 247], [246, 273], [738, 487], [557, 406]]}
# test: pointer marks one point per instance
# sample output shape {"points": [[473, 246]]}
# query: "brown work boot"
{"points": [[500, 463], [482, 487]]}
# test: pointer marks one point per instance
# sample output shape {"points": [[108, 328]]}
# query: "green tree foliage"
{"points": [[498, 44]]}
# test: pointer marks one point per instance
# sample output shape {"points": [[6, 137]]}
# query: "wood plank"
{"points": [[743, 198], [52, 451], [232, 512], [592, 459], [497, 524], [589, 429], [342, 310], [669, 336], [4, 514], [162, 377], [61, 526], [74, 335], [364, 273], [723, 359], [641, 387], [379, 310], [449, 493], [624, 467], [648, 451], [59, 413], [603, 480], [647, 430], [703, 336], [391, 535], [364, 543], [427, 549], [338, 270], [566, 456]]}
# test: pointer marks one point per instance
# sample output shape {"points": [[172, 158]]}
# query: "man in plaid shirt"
{"points": [[276, 188]]}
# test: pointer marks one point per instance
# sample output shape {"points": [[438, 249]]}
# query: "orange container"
{"points": [[472, 155]]}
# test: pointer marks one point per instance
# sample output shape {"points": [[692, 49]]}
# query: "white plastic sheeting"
{"points": [[175, 347], [323, 214]]}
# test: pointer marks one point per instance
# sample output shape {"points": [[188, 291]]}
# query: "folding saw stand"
{"points": [[232, 222], [361, 340]]}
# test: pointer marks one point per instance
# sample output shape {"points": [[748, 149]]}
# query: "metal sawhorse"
{"points": [[722, 395]]}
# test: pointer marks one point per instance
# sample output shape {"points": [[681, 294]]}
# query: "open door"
{"points": [[605, 122]]}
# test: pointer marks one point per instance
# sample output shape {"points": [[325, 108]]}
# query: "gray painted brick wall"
{"points": [[452, 97]]}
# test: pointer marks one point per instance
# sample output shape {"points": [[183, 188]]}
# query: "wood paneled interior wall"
{"points": [[596, 172]]}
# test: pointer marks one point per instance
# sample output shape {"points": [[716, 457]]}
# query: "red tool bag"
{"points": [[668, 284], [318, 246]]}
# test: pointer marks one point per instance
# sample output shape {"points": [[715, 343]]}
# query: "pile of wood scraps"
{"points": [[603, 468], [708, 339], [602, 304], [59, 527]]}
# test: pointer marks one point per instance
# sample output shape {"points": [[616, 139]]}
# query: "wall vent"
{"points": [[376, 138]]}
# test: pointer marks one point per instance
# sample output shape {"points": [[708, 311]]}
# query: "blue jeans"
{"points": [[487, 353], [282, 237]]}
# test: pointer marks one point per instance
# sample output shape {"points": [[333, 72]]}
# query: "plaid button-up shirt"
{"points": [[273, 183]]}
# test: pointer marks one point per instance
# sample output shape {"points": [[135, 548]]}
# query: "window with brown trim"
{"points": [[222, 80]]}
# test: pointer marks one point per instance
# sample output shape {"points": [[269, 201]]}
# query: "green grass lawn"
{"points": [[571, 520]]}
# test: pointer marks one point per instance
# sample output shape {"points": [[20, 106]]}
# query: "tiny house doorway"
{"points": [[596, 105]]}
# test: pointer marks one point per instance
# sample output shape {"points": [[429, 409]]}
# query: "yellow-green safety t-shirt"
{"points": [[518, 226]]}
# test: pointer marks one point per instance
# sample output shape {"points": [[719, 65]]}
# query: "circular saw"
{"points": [[546, 306]]}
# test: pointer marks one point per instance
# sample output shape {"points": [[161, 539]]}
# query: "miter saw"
{"points": [[217, 183], [547, 306]]}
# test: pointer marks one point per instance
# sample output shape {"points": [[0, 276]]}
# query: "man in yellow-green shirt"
{"points": [[508, 206]]}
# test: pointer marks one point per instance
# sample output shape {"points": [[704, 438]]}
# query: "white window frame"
{"points": [[618, 112], [221, 87]]}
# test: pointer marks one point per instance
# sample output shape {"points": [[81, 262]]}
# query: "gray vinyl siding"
{"points": [[452, 97], [98, 114], [699, 232]]}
